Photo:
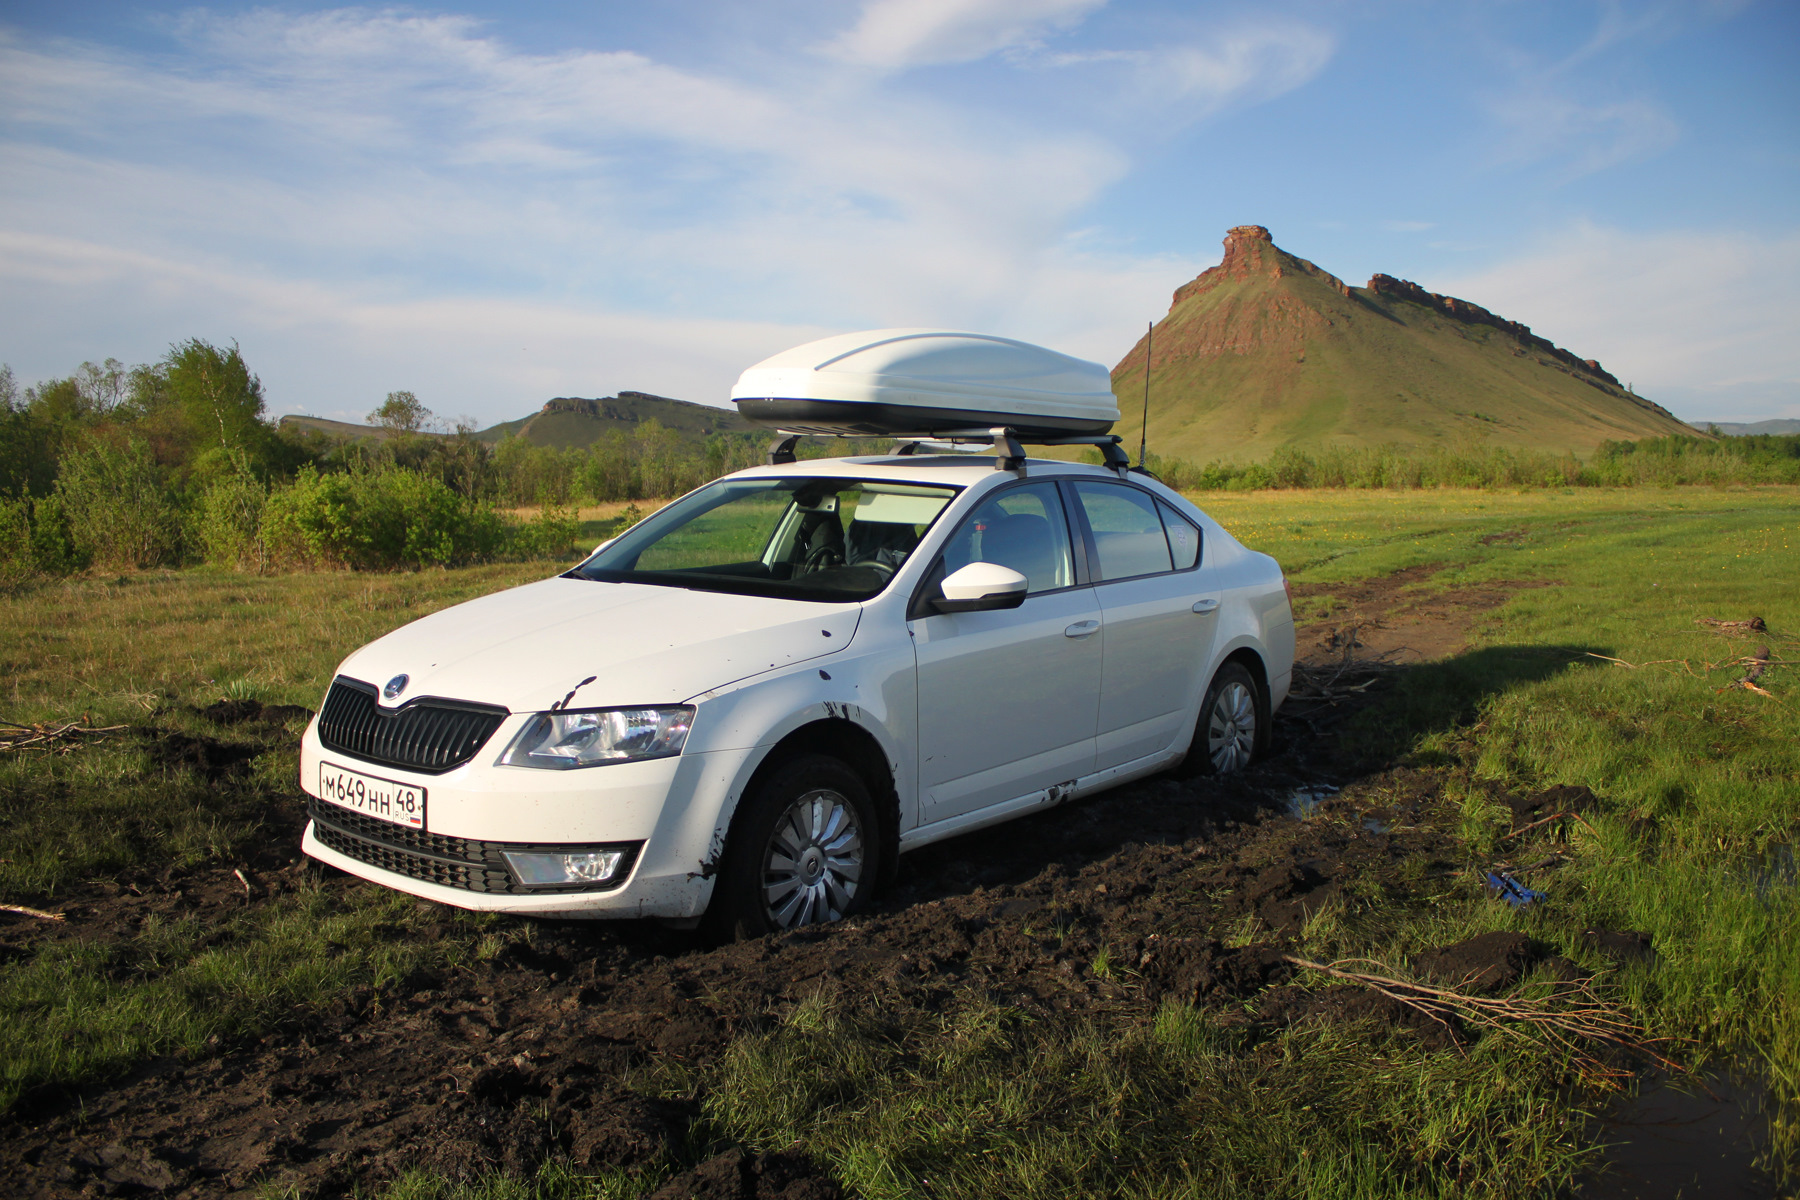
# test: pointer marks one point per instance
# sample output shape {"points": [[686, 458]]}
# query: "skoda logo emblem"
{"points": [[394, 687]]}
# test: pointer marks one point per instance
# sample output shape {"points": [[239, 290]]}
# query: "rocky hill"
{"points": [[573, 421], [576, 421], [1268, 350]]}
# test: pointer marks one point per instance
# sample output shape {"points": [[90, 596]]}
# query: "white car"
{"points": [[748, 705]]}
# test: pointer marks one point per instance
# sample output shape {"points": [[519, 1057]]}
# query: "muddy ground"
{"points": [[499, 1065]]}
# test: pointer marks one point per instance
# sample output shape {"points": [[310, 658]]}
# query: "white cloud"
{"points": [[379, 200], [896, 34], [1540, 122], [1700, 320], [1244, 66], [1199, 77], [331, 351]]}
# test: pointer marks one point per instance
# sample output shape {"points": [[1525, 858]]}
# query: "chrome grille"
{"points": [[429, 735]]}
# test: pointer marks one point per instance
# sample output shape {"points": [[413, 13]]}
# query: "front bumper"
{"points": [[669, 810], [679, 896]]}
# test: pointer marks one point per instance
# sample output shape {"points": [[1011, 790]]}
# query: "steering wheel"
{"points": [[828, 554]]}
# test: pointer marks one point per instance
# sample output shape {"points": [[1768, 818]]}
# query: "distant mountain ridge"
{"points": [[578, 421], [1777, 427], [1268, 350], [574, 421]]}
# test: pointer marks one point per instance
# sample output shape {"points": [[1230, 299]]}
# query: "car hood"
{"points": [[583, 644]]}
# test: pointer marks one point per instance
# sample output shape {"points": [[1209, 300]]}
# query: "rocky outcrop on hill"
{"points": [[622, 407], [1474, 314], [1251, 252]]}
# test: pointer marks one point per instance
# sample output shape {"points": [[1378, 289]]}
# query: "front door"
{"points": [[1009, 700]]}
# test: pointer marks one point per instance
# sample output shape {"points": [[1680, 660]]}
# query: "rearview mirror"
{"points": [[981, 587]]}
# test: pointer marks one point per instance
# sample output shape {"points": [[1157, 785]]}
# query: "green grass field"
{"points": [[1700, 783]]}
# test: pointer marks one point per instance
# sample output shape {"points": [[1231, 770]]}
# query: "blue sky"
{"points": [[490, 205]]}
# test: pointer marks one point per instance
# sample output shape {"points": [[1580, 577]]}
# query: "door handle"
{"points": [[1081, 629], [1205, 606]]}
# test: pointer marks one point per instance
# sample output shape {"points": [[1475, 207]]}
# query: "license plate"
{"points": [[384, 799]]}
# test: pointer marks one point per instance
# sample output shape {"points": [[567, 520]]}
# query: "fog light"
{"points": [[538, 869]]}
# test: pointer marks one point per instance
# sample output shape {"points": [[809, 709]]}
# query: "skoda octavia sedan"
{"points": [[746, 707]]}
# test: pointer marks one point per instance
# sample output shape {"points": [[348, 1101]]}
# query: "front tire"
{"points": [[805, 849], [1231, 729]]}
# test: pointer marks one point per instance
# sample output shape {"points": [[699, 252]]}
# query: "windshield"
{"points": [[806, 538]]}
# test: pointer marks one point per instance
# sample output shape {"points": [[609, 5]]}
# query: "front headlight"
{"points": [[560, 741]]}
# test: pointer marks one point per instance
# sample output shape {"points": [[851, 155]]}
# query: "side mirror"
{"points": [[981, 587]]}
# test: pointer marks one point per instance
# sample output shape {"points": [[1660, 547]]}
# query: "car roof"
{"points": [[957, 470]]}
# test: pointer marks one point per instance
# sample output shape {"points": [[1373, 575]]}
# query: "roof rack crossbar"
{"points": [[1009, 445]]}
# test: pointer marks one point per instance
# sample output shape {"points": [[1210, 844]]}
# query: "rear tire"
{"points": [[1233, 725], [805, 849]]}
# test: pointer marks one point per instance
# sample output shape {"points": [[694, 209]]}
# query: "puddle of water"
{"points": [[1684, 1140], [1301, 802], [1376, 825]]}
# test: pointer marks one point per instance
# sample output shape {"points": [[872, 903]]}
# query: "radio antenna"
{"points": [[1144, 428]]}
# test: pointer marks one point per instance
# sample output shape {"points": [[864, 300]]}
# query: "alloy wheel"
{"points": [[814, 862], [1231, 728]]}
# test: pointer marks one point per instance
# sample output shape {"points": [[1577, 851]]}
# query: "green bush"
{"points": [[228, 523], [120, 510], [376, 518], [551, 534], [34, 541]]}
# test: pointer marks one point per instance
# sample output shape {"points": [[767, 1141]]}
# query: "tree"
{"points": [[401, 412], [219, 400]]}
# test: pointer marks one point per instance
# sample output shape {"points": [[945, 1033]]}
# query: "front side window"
{"points": [[1128, 532], [803, 538], [1022, 528]]}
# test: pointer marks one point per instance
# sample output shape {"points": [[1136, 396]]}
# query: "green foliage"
{"points": [[220, 401], [550, 534], [377, 518], [35, 540], [401, 412], [228, 523], [1655, 462], [120, 509]]}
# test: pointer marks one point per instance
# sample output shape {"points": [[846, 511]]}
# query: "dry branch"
{"points": [[1346, 676], [57, 738], [39, 913], [1570, 1017], [1733, 628]]}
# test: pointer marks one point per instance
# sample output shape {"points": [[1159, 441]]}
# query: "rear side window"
{"points": [[1184, 538], [1128, 531]]}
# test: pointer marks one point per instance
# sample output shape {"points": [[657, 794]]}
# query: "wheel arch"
{"points": [[1248, 658], [859, 749]]}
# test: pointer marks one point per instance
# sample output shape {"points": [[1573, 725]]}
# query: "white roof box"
{"points": [[924, 383]]}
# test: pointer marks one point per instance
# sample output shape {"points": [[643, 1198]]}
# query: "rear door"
{"points": [[1008, 700], [1159, 619]]}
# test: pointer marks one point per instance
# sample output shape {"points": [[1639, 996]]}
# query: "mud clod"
{"points": [[1621, 945], [1563, 798], [737, 1175], [1488, 962], [242, 712]]}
